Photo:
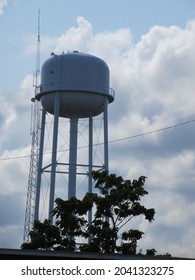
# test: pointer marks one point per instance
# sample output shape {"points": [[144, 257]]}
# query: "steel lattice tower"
{"points": [[33, 170]]}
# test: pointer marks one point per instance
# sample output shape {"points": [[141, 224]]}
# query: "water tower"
{"points": [[73, 85]]}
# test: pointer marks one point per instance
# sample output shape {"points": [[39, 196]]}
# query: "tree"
{"points": [[43, 236], [70, 219], [116, 203]]}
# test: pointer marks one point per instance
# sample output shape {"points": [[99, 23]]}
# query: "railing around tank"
{"points": [[73, 86]]}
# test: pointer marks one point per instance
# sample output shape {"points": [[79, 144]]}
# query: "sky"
{"points": [[149, 47]]}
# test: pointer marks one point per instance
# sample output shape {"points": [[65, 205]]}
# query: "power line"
{"points": [[152, 131], [113, 141]]}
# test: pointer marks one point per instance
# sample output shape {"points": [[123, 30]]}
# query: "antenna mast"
{"points": [[33, 170]]}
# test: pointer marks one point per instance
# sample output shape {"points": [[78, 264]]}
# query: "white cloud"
{"points": [[47, 43], [165, 64], [26, 91], [75, 37], [3, 4], [15, 115], [7, 118]]}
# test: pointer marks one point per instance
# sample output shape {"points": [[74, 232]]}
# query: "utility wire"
{"points": [[112, 141], [153, 131]]}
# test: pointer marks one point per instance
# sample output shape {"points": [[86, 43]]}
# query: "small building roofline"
{"points": [[13, 254]]}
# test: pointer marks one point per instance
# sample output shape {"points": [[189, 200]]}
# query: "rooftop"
{"points": [[11, 254]]}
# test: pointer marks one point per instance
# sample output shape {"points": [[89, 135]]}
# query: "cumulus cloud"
{"points": [[154, 84], [14, 112], [8, 118], [75, 37]]}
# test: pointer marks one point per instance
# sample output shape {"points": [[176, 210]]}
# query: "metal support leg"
{"points": [[90, 181], [72, 158], [54, 156], [106, 167]]}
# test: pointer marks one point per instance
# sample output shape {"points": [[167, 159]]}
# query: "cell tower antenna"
{"points": [[33, 170]]}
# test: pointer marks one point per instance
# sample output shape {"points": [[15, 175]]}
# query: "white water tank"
{"points": [[82, 80]]}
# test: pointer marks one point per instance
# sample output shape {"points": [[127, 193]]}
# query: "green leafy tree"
{"points": [[70, 219], [116, 202]]}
